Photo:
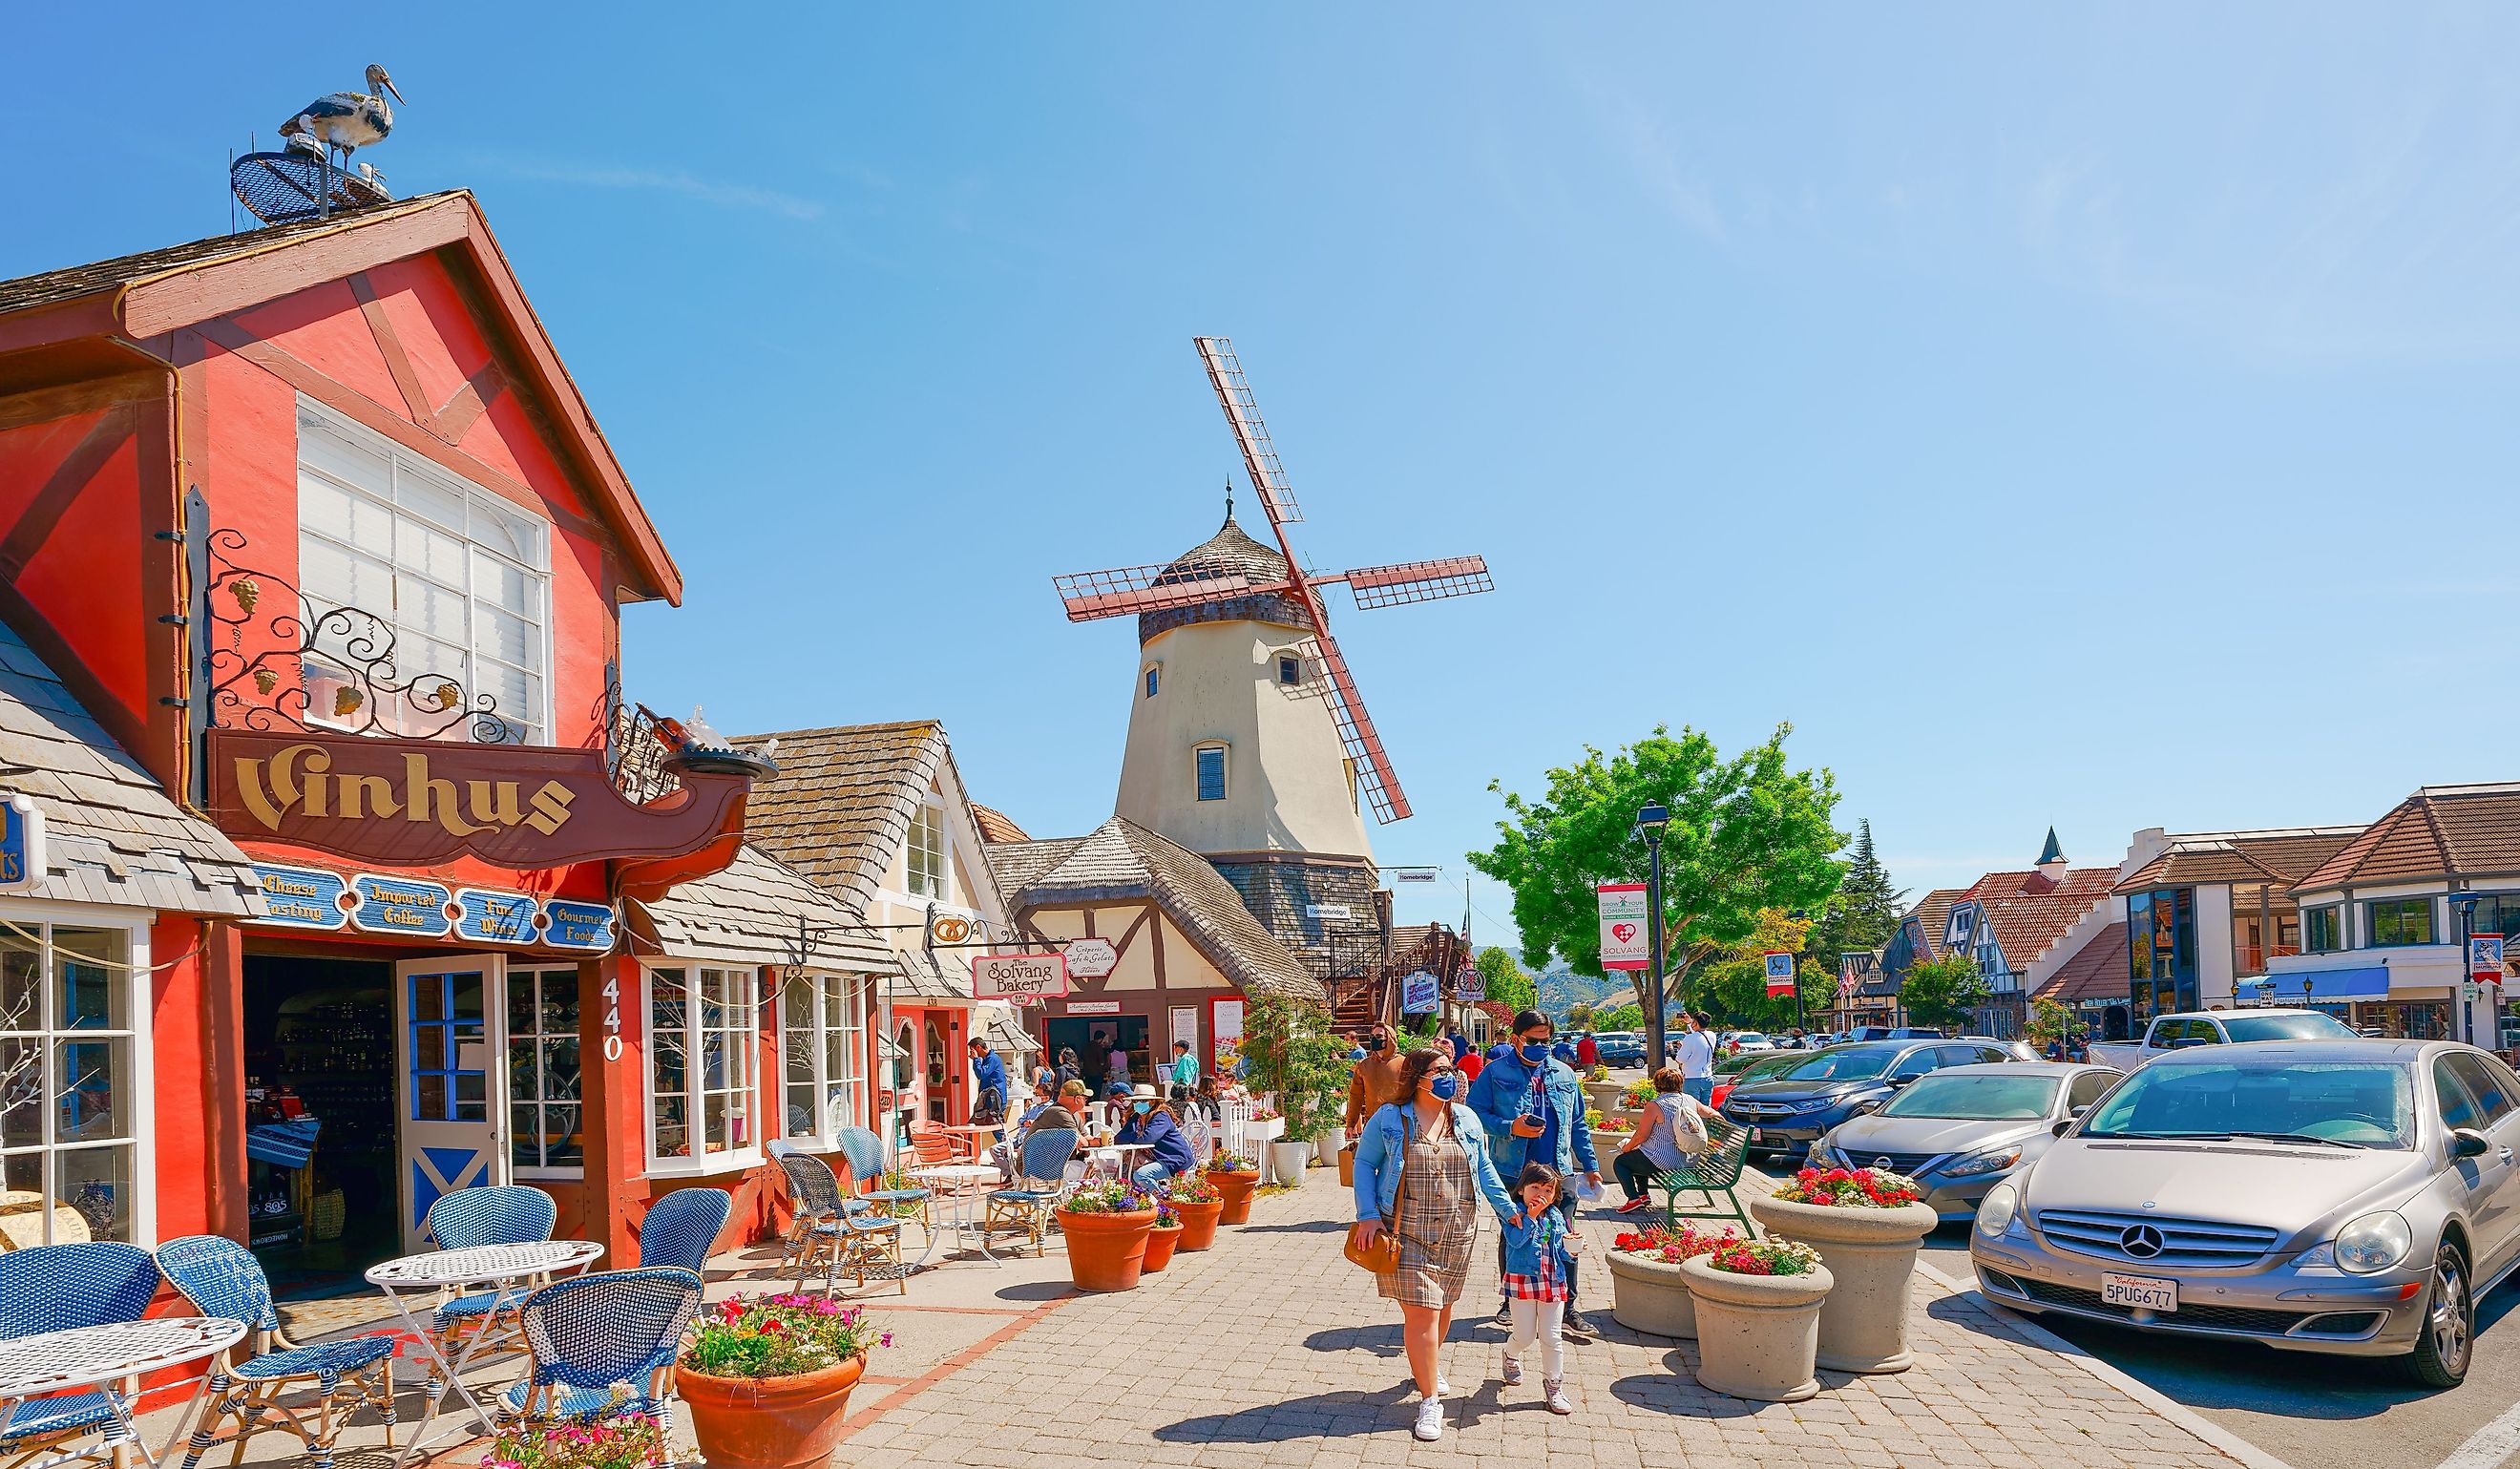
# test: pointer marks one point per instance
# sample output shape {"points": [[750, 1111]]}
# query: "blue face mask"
{"points": [[1535, 1051], [1446, 1086], [1143, 1108]]}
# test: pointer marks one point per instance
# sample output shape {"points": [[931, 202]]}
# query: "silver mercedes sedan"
{"points": [[2352, 1197], [1960, 1131]]}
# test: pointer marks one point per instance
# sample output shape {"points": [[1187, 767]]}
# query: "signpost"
{"points": [[2485, 958], [1004, 976], [1624, 910], [1780, 972], [1421, 994], [1469, 985]]}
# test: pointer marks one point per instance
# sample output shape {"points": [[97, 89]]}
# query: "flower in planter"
{"points": [[1265, 1114], [1233, 1163], [1110, 1198], [1851, 1188], [1618, 1127], [1764, 1256], [630, 1441], [1192, 1189], [1165, 1219], [1669, 1246], [778, 1336]]}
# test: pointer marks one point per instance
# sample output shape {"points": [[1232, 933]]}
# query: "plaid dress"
{"points": [[1438, 1222], [1548, 1282]]}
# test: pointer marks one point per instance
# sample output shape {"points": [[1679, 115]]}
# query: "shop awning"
{"points": [[2315, 987]]}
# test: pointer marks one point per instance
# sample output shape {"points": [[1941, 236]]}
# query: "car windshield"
{"points": [[2351, 1103], [1749, 1036], [1981, 1096], [1847, 1064], [2286, 1028]]}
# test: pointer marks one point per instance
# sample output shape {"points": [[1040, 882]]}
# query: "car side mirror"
{"points": [[2468, 1143], [1901, 1081], [2067, 1125], [2079, 1111]]}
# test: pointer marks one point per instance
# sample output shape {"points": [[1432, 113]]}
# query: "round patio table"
{"points": [[960, 1188], [498, 1266], [98, 1357]]}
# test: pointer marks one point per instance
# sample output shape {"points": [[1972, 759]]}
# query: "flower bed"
{"points": [[778, 1336], [1640, 1095], [1232, 1163], [1851, 1188], [1615, 1126], [1764, 1257], [1109, 1198], [1669, 1246], [632, 1440], [1647, 1292]]}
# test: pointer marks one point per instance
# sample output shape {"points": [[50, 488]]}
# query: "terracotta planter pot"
{"points": [[1757, 1335], [1237, 1188], [1160, 1244], [769, 1422], [1106, 1251], [1650, 1296], [1197, 1223], [1872, 1254]]}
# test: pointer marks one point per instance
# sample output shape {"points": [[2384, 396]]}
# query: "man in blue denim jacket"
{"points": [[1533, 1111]]}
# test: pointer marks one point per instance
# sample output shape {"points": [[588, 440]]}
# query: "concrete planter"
{"points": [[1758, 1336], [1872, 1254], [1605, 1095], [1650, 1296], [1287, 1161]]}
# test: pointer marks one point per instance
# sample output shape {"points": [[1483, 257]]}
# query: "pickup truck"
{"points": [[2181, 1032]]}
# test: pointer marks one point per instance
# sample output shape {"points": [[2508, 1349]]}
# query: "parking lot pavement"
{"points": [[2312, 1412]]}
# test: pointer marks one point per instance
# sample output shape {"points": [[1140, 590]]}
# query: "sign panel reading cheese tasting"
{"points": [[1006, 976]]}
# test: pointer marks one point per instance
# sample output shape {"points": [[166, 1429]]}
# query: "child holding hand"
{"points": [[1539, 1248]]}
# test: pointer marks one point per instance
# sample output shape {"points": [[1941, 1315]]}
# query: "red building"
{"points": [[312, 560]]}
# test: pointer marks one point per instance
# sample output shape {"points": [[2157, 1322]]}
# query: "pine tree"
{"points": [[1865, 911]]}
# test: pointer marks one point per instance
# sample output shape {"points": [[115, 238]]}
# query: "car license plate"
{"points": [[1754, 1134], [2139, 1292]]}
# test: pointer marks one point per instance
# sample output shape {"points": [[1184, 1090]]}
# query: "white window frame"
{"points": [[1224, 770], [816, 1031], [521, 971], [694, 1096], [315, 418], [38, 919], [931, 816]]}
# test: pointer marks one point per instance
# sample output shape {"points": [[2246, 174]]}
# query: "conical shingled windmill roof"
{"points": [[1231, 552]]}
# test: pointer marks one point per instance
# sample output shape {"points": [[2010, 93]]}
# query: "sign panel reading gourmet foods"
{"points": [[408, 802], [1032, 976], [1623, 926]]}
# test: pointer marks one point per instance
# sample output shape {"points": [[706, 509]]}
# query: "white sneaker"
{"points": [[1555, 1394], [1513, 1371], [1430, 1420], [1443, 1389]]}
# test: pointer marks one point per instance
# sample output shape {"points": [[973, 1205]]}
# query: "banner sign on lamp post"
{"points": [[1780, 972], [1004, 976], [2485, 958], [1623, 926]]}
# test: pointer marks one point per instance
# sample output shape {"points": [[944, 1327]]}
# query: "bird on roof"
{"points": [[347, 121]]}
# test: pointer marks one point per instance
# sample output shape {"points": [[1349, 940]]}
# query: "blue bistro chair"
{"points": [[589, 1334], [680, 1226], [506, 1213], [1041, 1179], [830, 1230], [62, 1288], [222, 1278], [863, 1150]]}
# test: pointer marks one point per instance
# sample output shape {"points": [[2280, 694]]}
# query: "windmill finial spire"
{"points": [[1228, 497]]}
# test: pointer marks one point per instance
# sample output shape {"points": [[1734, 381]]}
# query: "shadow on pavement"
{"points": [[1308, 1227], [1038, 1290], [1321, 1415], [1675, 1392]]}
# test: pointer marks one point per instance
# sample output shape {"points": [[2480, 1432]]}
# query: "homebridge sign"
{"points": [[410, 802]]}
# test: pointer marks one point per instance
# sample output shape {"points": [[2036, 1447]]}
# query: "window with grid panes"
{"points": [[928, 853], [544, 1120], [822, 1036], [68, 1089], [700, 1044], [459, 578]]}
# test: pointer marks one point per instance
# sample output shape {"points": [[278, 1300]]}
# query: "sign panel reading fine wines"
{"points": [[1006, 976], [1623, 926]]}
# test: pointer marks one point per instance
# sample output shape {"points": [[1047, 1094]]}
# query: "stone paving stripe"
{"points": [[951, 1365], [2489, 1446]]}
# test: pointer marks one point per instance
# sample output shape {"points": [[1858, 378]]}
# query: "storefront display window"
{"points": [[2396, 922], [2324, 928], [2161, 932], [2404, 1019], [543, 1079], [71, 1042], [822, 1035], [699, 1040]]}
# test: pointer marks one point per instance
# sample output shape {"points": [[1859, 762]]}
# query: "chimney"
{"points": [[2051, 859]]}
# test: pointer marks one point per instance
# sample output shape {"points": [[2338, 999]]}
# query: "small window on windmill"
{"points": [[1290, 670], [1211, 772], [1154, 678]]}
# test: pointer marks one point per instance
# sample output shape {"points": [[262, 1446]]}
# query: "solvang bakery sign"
{"points": [[409, 802]]}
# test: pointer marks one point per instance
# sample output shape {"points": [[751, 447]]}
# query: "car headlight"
{"points": [[1813, 1103], [1995, 1211], [1822, 1155], [2373, 1242], [1977, 1165]]}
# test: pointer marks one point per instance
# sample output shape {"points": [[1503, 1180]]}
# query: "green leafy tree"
{"points": [[1944, 990], [1732, 987], [1746, 833], [1579, 1016], [1291, 1050], [1505, 983], [1864, 913], [2049, 1022], [1622, 1017]]}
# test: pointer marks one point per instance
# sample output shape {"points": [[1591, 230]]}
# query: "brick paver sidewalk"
{"points": [[1272, 1351]]}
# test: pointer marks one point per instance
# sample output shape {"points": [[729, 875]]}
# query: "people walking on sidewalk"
{"points": [[1422, 1166], [1673, 1130], [1539, 1263], [1697, 1059], [1533, 1112], [1376, 1081]]}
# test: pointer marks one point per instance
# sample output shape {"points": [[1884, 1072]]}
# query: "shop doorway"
{"points": [[1081, 1034], [320, 1164], [451, 1023]]}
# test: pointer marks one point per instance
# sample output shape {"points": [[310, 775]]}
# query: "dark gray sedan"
{"points": [[1961, 1130]]}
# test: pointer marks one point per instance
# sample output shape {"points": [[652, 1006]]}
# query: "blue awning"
{"points": [[2370, 982]]}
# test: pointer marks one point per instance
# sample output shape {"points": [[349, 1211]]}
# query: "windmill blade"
{"points": [[1243, 412], [1125, 590], [1374, 776], [1417, 581]]}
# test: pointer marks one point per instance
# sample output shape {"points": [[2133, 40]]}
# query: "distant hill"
{"points": [[1561, 988]]}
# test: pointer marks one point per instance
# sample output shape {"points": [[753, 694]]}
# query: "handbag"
{"points": [[1383, 1257]]}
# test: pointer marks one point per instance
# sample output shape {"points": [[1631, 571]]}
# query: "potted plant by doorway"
{"points": [[1164, 1238], [767, 1378], [1647, 1292], [1106, 1228], [1757, 1303], [1199, 1202], [1234, 1176], [1866, 1223]]}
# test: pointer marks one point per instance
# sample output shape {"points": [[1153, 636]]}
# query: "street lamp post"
{"points": [[1800, 1023], [2465, 903], [1650, 821]]}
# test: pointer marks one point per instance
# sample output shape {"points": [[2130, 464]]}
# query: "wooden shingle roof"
{"points": [[749, 914], [841, 803], [2438, 831]]}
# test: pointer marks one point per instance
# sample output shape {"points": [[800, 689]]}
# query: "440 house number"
{"points": [[612, 1018]]}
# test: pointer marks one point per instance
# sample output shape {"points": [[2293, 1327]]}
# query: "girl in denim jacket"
{"points": [[1539, 1251]]}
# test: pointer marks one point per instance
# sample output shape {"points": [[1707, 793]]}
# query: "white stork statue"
{"points": [[347, 121]]}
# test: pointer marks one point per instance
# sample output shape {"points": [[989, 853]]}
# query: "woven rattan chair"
{"points": [[829, 1233], [506, 1214], [601, 1344], [1713, 1175], [62, 1288], [1041, 1181], [222, 1278], [680, 1226], [863, 1151]]}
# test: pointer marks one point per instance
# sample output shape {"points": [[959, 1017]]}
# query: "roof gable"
{"points": [[840, 809], [2440, 832], [2028, 913], [2281, 857]]}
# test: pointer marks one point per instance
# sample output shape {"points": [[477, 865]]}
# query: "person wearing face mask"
{"points": [[1430, 1140], [1533, 1112], [1150, 1123], [1377, 1082]]}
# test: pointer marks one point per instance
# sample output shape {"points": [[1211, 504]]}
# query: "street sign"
{"points": [[21, 843], [1002, 976], [2485, 958], [1780, 972], [1091, 959], [1469, 985], [1325, 911], [1623, 926], [1421, 994], [1413, 874]]}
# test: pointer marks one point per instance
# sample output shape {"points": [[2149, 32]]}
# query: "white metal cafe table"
{"points": [[99, 1356], [413, 1279], [959, 1189], [1119, 1159]]}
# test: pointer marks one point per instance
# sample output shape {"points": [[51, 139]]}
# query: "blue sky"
{"points": [[2098, 418]]}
